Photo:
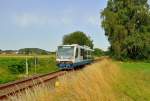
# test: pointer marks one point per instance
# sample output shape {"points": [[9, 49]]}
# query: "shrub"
{"points": [[17, 67]]}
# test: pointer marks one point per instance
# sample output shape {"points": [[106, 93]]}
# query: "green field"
{"points": [[135, 83], [105, 80], [44, 64]]}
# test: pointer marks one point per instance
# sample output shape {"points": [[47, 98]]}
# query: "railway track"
{"points": [[20, 85]]}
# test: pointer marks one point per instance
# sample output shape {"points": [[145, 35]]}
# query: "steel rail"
{"points": [[19, 85]]}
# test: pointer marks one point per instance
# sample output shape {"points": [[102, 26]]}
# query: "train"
{"points": [[72, 56]]}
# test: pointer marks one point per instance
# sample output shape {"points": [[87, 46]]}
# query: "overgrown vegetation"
{"points": [[98, 52], [13, 67], [17, 68], [94, 83], [6, 76], [103, 81], [127, 26]]}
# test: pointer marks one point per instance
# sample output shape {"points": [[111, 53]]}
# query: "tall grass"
{"points": [[10, 66], [93, 83], [102, 81]]}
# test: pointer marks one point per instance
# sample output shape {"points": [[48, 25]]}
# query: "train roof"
{"points": [[83, 47]]}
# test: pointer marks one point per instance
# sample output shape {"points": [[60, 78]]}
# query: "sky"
{"points": [[43, 23]]}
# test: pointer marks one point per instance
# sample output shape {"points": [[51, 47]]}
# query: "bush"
{"points": [[98, 52], [17, 68]]}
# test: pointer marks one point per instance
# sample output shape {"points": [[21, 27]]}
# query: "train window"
{"points": [[76, 52], [81, 52], [89, 55], [65, 52], [85, 54]]}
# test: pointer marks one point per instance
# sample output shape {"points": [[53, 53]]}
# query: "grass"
{"points": [[103, 81], [93, 83], [45, 64], [6, 76], [135, 82]]}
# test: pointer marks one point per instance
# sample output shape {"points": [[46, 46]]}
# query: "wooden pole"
{"points": [[35, 62], [27, 68]]}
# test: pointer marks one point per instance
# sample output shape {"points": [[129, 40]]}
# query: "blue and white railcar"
{"points": [[71, 56]]}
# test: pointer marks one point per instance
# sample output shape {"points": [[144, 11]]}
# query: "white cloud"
{"points": [[92, 20], [66, 18], [27, 20], [66, 21]]}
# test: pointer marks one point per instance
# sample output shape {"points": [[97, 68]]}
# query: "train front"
{"points": [[65, 56]]}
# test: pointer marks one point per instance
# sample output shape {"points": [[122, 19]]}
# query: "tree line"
{"points": [[26, 51], [127, 26]]}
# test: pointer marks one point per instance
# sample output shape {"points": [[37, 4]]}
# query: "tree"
{"points": [[127, 26], [33, 51], [98, 52], [78, 38]]}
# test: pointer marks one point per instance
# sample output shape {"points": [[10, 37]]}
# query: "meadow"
{"points": [[105, 80], [135, 80], [12, 67]]}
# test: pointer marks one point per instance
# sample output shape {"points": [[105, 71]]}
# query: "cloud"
{"points": [[67, 21], [28, 20], [66, 18], [92, 21]]}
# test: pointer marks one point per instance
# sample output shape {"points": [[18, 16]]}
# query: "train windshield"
{"points": [[65, 52]]}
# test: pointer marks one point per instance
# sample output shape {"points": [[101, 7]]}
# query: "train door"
{"points": [[77, 59], [82, 54]]}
